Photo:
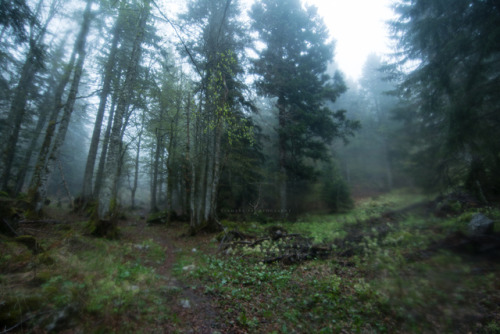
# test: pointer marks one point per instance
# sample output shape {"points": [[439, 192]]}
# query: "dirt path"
{"points": [[194, 311]]}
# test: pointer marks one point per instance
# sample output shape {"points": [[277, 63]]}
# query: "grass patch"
{"points": [[397, 279], [113, 284], [329, 227]]}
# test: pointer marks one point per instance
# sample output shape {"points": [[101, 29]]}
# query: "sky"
{"points": [[359, 28]]}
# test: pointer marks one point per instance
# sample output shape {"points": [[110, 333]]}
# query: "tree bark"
{"points": [[104, 151], [212, 223], [38, 187], [282, 157], [156, 163], [171, 157], [87, 191], [17, 111], [136, 165], [188, 166], [23, 170], [57, 106], [108, 196], [16, 115]]}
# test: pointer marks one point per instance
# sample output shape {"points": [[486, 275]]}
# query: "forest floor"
{"points": [[397, 263]]}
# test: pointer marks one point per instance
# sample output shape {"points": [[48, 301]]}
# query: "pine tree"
{"points": [[292, 69], [453, 46]]}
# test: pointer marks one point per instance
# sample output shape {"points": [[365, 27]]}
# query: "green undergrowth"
{"points": [[323, 227], [90, 284], [272, 298], [330, 227], [402, 276]]}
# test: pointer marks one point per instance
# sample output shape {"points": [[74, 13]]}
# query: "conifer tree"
{"points": [[453, 47], [292, 69]]}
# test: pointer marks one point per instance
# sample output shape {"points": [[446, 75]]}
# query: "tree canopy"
{"points": [[292, 69], [454, 48]]}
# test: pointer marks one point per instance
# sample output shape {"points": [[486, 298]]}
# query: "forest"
{"points": [[205, 166]]}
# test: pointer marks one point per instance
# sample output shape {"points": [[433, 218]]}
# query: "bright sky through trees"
{"points": [[359, 28]]}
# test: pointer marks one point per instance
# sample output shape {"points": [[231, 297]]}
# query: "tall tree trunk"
{"points": [[108, 196], [104, 151], [57, 106], [282, 158], [170, 183], [47, 105], [198, 193], [38, 187], [87, 192], [16, 115], [188, 166], [207, 182], [190, 170], [171, 156], [17, 111], [136, 164], [212, 223], [161, 181], [156, 164], [23, 170]]}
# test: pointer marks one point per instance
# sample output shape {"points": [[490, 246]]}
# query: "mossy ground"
{"points": [[391, 282], [101, 281]]}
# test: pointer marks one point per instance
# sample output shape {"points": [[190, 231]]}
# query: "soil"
{"points": [[195, 310]]}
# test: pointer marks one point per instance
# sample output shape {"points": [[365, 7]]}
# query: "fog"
{"points": [[336, 159]]}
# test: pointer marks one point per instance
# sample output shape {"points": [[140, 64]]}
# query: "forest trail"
{"points": [[155, 279], [194, 310]]}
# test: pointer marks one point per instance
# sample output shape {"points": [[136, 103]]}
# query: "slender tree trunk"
{"points": [[282, 158], [151, 172], [23, 170], [57, 106], [190, 170], [136, 165], [34, 195], [156, 163], [87, 192], [212, 222], [16, 114], [38, 187], [171, 156], [18, 106], [108, 196], [170, 183], [207, 182], [51, 101], [198, 172], [161, 181], [188, 166], [104, 151]]}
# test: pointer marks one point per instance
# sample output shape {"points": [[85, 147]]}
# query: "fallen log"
{"points": [[42, 221], [287, 248]]}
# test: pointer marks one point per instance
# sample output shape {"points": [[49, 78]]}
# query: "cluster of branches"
{"points": [[450, 95], [193, 134]]}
